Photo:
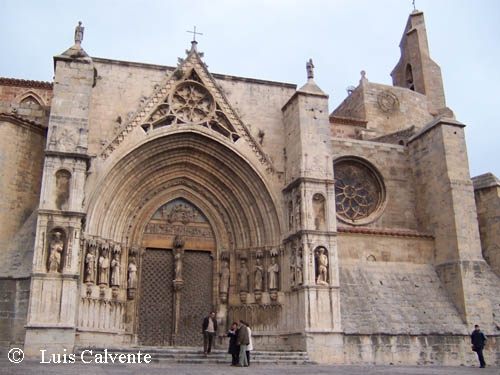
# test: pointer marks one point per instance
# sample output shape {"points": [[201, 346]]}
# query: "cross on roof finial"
{"points": [[194, 34], [414, 6]]}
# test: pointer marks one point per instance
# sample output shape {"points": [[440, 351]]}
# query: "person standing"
{"points": [[250, 343], [209, 328], [243, 342], [478, 340], [234, 349]]}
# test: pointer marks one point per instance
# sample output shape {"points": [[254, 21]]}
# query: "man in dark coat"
{"points": [[243, 341], [209, 328], [478, 340], [234, 348]]}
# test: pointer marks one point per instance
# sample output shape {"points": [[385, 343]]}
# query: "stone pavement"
{"points": [[34, 367]]}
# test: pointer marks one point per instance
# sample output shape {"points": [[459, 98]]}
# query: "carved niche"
{"points": [[55, 250], [63, 178], [321, 256]]}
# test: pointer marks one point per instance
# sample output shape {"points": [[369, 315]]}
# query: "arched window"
{"points": [[409, 78]]}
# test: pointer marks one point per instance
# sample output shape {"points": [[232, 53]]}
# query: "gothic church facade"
{"points": [[136, 198]]}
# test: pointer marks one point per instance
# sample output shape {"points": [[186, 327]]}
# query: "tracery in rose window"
{"points": [[358, 191], [191, 103]]}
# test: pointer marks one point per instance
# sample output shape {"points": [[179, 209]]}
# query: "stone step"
{"points": [[193, 355]]}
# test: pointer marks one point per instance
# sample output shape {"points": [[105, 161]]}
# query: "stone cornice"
{"points": [[297, 181], [32, 125], [384, 232], [435, 123], [26, 83]]}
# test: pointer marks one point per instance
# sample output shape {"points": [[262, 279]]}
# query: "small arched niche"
{"points": [[63, 179], [318, 202]]}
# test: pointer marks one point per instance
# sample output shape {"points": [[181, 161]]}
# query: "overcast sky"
{"points": [[272, 40]]}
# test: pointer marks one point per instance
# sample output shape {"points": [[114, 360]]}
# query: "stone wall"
{"points": [[22, 145], [391, 161], [447, 209], [487, 193], [14, 295], [395, 298], [386, 246], [433, 349], [386, 109]]}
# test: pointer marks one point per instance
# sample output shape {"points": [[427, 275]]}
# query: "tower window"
{"points": [[409, 78]]}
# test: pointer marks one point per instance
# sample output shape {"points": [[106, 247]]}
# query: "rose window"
{"points": [[191, 102], [358, 191]]}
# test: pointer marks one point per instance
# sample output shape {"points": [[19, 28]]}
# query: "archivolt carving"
{"points": [[183, 182]]}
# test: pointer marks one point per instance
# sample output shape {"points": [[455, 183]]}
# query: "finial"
{"points": [[310, 69], [363, 77], [414, 6], [194, 34], [79, 33]]}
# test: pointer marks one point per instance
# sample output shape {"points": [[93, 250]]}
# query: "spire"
{"points": [[415, 69]]}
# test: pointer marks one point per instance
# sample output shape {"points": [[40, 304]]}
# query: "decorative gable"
{"points": [[190, 102], [190, 96]]}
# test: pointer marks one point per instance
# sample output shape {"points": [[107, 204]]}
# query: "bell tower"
{"points": [[415, 69]]}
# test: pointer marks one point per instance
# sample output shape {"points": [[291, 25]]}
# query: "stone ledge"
{"points": [[485, 181]]}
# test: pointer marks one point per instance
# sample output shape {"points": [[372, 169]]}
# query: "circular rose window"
{"points": [[359, 191], [191, 102]]}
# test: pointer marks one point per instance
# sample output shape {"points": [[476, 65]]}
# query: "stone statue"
{"points": [[178, 265], [322, 264], [90, 266], [310, 69], [104, 268], [79, 33], [132, 275], [115, 270], [56, 248], [243, 275], [273, 274], [299, 278], [178, 252], [224, 277], [298, 221], [258, 275]]}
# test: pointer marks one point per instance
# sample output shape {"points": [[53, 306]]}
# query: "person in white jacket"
{"points": [[250, 345]]}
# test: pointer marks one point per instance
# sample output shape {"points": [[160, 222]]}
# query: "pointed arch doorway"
{"points": [[176, 282]]}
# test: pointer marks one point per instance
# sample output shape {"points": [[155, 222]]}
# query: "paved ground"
{"points": [[34, 367]]}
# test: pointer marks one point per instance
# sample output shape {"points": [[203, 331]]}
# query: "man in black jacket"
{"points": [[243, 341], [478, 340], [209, 328]]}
